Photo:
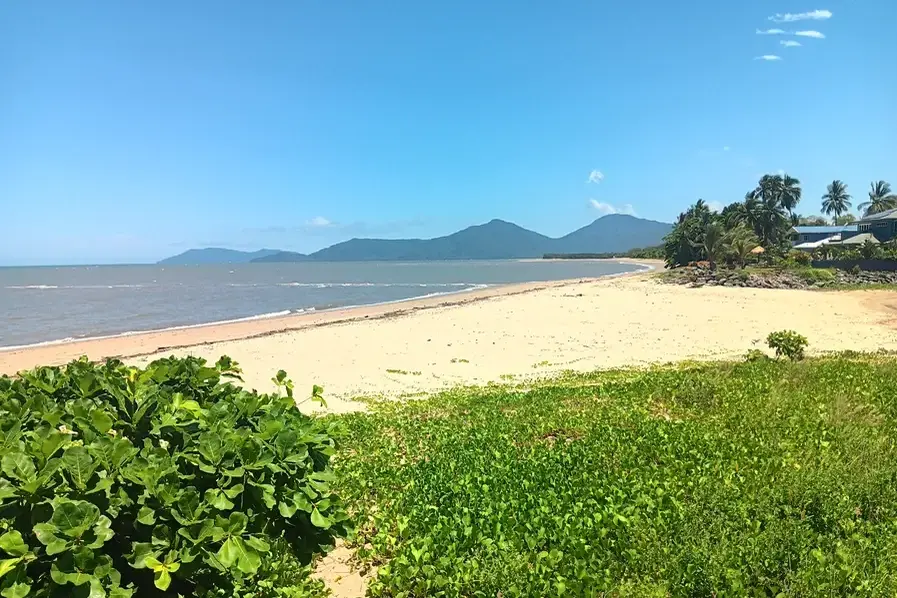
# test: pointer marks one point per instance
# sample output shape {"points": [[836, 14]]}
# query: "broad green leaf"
{"points": [[77, 462], [16, 590], [96, 589], [233, 491], [236, 523], [286, 510], [7, 565], [101, 421], [228, 553], [18, 466], [103, 532], [319, 520], [258, 543], [141, 552], [73, 518], [13, 544], [217, 499], [53, 442], [162, 579], [7, 490], [146, 516]]}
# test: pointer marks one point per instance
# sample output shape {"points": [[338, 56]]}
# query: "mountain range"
{"points": [[497, 239]]}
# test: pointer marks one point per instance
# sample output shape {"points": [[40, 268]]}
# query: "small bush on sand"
{"points": [[787, 343]]}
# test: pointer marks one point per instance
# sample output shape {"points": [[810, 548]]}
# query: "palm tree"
{"points": [[880, 199], [790, 192], [741, 241], [781, 188], [836, 199], [714, 243]]}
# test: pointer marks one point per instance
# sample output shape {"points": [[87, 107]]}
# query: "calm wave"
{"points": [[64, 303]]}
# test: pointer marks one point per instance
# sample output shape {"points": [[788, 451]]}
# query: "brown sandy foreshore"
{"points": [[507, 333]]}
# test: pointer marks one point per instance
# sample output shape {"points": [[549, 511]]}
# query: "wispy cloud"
{"points": [[596, 176], [715, 206], [813, 15], [771, 32], [606, 208], [318, 222], [726, 148], [768, 57], [789, 43], [813, 34]]}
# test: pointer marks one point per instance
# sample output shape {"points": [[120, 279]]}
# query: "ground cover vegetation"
{"points": [[160, 481], [771, 477]]}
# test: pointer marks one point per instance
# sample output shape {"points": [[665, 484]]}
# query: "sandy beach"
{"points": [[514, 332]]}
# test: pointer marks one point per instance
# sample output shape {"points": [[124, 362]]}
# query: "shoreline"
{"points": [[140, 343]]}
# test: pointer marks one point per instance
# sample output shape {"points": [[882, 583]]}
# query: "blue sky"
{"points": [[134, 130]]}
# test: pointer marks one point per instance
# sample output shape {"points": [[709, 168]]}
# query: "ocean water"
{"points": [[48, 304]]}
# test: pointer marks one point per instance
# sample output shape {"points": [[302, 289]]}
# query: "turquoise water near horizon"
{"points": [[48, 304]]}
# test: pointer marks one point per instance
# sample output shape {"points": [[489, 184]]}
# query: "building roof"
{"points": [[859, 239], [824, 230], [886, 215], [820, 243]]}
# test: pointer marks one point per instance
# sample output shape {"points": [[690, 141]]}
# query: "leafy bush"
{"points": [[814, 275], [801, 258], [787, 343], [119, 481], [755, 355]]}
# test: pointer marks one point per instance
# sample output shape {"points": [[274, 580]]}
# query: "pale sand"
{"points": [[519, 332]]}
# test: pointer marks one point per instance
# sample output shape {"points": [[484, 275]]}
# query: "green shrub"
{"points": [[814, 275], [787, 343], [119, 481], [801, 258], [755, 355]]}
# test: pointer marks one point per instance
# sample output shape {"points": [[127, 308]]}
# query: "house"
{"points": [[811, 237], [883, 226]]}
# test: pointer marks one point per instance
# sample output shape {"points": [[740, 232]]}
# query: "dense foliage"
{"points": [[769, 478], [119, 481], [642, 253], [787, 343], [764, 219]]}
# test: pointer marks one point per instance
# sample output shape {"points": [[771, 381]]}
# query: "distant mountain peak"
{"points": [[495, 239]]}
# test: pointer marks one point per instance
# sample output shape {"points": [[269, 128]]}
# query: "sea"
{"points": [[58, 304]]}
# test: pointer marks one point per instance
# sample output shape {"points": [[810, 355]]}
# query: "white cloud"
{"points": [[813, 15], [606, 208], [318, 222], [771, 32], [715, 206], [790, 43], [813, 34], [768, 57], [596, 176]]}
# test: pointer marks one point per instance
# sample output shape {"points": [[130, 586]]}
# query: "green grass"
{"points": [[763, 479]]}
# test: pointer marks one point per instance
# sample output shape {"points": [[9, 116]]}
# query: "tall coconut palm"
{"points": [[880, 199], [836, 199], [740, 242], [790, 192], [781, 188], [714, 243]]}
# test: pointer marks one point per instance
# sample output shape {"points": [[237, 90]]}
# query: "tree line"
{"points": [[763, 219]]}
